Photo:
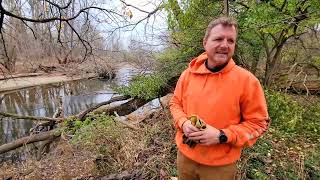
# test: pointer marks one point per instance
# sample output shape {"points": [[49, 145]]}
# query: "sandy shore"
{"points": [[23, 82]]}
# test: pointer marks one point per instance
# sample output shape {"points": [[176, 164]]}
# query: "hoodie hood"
{"points": [[197, 65]]}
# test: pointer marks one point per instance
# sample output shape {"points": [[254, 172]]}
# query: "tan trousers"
{"points": [[191, 170]]}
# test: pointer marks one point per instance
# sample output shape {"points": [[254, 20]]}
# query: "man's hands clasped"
{"points": [[195, 132]]}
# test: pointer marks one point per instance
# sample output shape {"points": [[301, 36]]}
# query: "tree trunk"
{"points": [[226, 7], [254, 65], [272, 61]]}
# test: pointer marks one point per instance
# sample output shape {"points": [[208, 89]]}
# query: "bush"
{"points": [[144, 87], [286, 114], [311, 121]]}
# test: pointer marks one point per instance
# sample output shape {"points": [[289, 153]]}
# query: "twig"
{"points": [[34, 34], [304, 84], [34, 118], [289, 85]]}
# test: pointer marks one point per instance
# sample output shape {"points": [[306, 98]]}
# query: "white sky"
{"points": [[144, 32]]}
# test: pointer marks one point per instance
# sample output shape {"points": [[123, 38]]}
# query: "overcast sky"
{"points": [[146, 31]]}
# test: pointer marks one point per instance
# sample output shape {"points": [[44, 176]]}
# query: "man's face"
{"points": [[220, 44]]}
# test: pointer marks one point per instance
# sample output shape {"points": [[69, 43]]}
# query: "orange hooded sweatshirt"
{"points": [[231, 99]]}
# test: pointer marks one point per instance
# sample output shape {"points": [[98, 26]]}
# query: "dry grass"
{"points": [[149, 153], [64, 162]]}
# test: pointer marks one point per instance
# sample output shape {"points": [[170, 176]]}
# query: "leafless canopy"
{"points": [[67, 19]]}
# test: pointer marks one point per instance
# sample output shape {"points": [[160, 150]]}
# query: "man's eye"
{"points": [[218, 39], [230, 40]]}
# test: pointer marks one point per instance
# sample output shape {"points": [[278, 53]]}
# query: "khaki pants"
{"points": [[191, 170]]}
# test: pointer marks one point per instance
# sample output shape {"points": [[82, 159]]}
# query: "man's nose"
{"points": [[224, 43]]}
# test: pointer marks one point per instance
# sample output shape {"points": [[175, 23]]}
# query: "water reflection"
{"points": [[43, 100]]}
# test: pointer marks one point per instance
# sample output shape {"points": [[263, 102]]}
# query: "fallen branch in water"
{"points": [[29, 139], [33, 118]]}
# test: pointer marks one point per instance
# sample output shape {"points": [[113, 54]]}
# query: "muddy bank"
{"points": [[24, 82]]}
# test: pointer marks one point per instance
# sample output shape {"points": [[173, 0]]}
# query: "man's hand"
{"points": [[208, 136], [188, 128]]}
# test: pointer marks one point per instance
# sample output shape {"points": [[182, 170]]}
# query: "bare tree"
{"points": [[63, 29]]}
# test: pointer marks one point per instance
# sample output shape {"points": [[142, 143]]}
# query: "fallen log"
{"points": [[82, 115], [126, 108], [311, 87], [47, 69], [29, 139]]}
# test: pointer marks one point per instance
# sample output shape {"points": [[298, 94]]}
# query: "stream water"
{"points": [[44, 100]]}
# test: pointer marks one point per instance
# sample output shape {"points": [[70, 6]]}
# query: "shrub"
{"points": [[285, 113]]}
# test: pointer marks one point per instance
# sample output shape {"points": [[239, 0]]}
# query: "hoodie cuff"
{"points": [[230, 135], [181, 121]]}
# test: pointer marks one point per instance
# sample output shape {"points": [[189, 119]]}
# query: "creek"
{"points": [[43, 101]]}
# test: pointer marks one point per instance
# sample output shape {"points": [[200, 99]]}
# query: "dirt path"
{"points": [[23, 82]]}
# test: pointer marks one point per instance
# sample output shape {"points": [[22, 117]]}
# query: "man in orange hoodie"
{"points": [[228, 98]]}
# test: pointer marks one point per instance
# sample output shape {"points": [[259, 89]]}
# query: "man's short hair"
{"points": [[224, 21]]}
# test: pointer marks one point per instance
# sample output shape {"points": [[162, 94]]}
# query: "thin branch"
{"points": [[304, 84], [59, 7], [34, 34], [82, 41], [135, 24], [289, 85], [30, 117], [2, 38], [4, 11], [4, 46], [134, 7], [243, 4]]}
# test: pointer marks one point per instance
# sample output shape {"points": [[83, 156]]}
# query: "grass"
{"points": [[149, 152], [281, 156]]}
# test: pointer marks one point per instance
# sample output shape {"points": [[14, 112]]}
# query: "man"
{"points": [[230, 101]]}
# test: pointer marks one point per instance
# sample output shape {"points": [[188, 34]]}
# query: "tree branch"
{"points": [[4, 11], [29, 139], [134, 7], [114, 99], [34, 34], [34, 118], [243, 4], [59, 7]]}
